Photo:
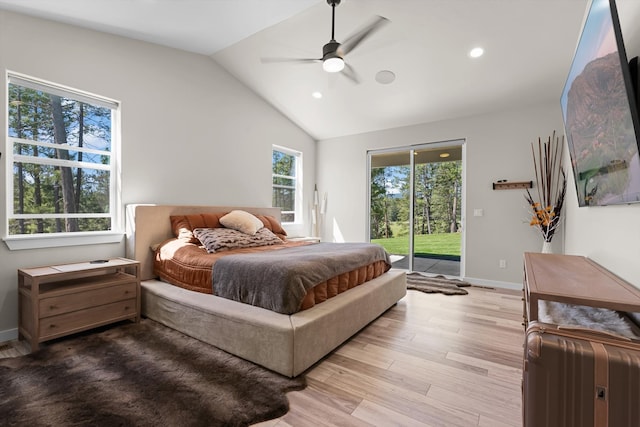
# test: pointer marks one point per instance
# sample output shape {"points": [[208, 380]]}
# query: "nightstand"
{"points": [[59, 300]]}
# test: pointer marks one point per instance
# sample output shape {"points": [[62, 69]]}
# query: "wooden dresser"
{"points": [[574, 279], [59, 300]]}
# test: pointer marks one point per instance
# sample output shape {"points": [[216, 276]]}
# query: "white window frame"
{"points": [[298, 181], [33, 241]]}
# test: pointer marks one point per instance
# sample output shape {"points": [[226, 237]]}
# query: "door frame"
{"points": [[410, 149]]}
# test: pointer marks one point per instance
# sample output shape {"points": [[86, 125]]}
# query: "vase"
{"points": [[546, 247]]}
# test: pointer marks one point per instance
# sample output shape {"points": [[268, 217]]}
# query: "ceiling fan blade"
{"points": [[290, 60], [358, 37], [350, 73]]}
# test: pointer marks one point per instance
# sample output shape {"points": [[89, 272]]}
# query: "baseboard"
{"points": [[494, 283], [9, 335]]}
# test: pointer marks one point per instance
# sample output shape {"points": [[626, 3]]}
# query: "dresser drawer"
{"points": [[54, 306], [54, 326]]}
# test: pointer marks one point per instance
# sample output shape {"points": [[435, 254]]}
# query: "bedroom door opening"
{"points": [[415, 206]]}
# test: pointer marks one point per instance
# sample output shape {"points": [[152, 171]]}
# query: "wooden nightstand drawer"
{"points": [[67, 303], [52, 327]]}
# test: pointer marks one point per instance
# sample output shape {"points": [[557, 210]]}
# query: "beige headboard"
{"points": [[149, 225]]}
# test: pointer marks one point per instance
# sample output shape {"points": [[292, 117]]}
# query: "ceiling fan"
{"points": [[333, 53]]}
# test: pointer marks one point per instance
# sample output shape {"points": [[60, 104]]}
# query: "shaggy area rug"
{"points": [[138, 375], [440, 284]]}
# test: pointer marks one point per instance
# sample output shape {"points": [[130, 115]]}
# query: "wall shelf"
{"points": [[512, 185]]}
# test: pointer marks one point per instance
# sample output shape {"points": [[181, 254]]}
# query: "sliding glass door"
{"points": [[415, 205], [389, 208]]}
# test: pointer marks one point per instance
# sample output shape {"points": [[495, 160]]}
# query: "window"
{"points": [[62, 147], [287, 183]]}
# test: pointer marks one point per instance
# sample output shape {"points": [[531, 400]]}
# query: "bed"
{"points": [[286, 343]]}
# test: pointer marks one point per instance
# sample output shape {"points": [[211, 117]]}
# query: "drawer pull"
{"points": [[52, 307], [52, 326]]}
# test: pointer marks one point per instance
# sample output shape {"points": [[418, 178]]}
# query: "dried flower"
{"points": [[551, 183]]}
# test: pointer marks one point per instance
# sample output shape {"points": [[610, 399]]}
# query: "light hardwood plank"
{"points": [[381, 416], [412, 404], [431, 360], [14, 348]]}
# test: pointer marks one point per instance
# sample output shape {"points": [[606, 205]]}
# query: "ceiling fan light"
{"points": [[333, 65]]}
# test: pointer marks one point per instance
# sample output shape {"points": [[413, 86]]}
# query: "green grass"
{"points": [[424, 244]]}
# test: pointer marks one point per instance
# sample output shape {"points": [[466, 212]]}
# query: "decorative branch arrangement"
{"points": [[551, 185]]}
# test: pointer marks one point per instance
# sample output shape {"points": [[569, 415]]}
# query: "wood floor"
{"points": [[432, 360], [14, 349]]}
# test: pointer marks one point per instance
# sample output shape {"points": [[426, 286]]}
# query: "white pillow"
{"points": [[242, 221]]}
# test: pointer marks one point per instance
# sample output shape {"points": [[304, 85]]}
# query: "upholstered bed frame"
{"points": [[288, 344]]}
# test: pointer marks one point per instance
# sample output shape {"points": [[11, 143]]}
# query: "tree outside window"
{"points": [[286, 173], [62, 154], [437, 199]]}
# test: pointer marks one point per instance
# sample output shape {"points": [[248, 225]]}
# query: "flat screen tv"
{"points": [[600, 113]]}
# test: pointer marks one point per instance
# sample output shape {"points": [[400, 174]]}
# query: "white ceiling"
{"points": [[528, 49]]}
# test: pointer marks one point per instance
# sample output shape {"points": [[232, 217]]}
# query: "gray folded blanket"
{"points": [[279, 280]]}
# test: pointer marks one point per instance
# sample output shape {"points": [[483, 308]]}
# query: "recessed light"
{"points": [[444, 155], [385, 77], [476, 52], [317, 95]]}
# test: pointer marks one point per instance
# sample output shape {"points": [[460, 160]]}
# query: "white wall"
{"points": [[497, 147], [191, 133], [610, 235]]}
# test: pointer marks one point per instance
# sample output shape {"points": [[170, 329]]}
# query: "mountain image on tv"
{"points": [[599, 110], [603, 142]]}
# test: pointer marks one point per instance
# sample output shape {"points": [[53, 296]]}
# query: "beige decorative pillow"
{"points": [[242, 221], [222, 239]]}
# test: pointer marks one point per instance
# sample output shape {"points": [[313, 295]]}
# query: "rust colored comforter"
{"points": [[189, 266]]}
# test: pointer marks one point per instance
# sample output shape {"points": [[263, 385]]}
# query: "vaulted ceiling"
{"points": [[528, 46]]}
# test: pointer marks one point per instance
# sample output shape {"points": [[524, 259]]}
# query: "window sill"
{"points": [[15, 243]]}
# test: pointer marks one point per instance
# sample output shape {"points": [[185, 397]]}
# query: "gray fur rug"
{"points": [[597, 318], [138, 375]]}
